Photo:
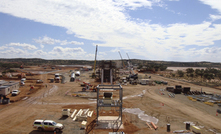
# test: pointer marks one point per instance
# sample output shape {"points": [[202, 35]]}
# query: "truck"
{"points": [[57, 77], [48, 125]]}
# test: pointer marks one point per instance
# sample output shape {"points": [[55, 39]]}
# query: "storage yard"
{"points": [[168, 106]]}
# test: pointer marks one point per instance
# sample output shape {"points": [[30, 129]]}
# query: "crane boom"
{"points": [[130, 65], [121, 59], [95, 59]]}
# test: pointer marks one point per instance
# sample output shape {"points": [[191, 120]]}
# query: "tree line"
{"points": [[206, 74]]}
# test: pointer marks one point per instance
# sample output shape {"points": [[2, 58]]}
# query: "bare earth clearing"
{"points": [[47, 103]]}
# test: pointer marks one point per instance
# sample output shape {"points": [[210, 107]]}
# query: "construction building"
{"points": [[107, 72]]}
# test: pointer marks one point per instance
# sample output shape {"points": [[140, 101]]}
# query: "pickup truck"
{"points": [[15, 92], [48, 125]]}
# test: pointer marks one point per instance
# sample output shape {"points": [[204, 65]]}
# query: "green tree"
{"points": [[208, 76], [199, 72], [140, 66], [219, 75], [163, 68], [180, 73], [189, 70]]}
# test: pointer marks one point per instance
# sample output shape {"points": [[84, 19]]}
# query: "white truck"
{"points": [[48, 125], [57, 77]]}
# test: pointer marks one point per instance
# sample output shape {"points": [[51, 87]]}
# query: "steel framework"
{"points": [[114, 103]]}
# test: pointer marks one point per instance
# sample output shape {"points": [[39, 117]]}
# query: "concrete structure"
{"points": [[107, 72]]}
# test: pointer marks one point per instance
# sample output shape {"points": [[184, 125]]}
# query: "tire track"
{"points": [[190, 111], [35, 99]]}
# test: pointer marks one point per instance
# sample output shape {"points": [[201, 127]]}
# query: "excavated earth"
{"points": [[48, 99]]}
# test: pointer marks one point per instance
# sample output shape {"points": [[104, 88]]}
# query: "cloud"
{"points": [[215, 17], [215, 4], [51, 41], [71, 42], [3, 47], [40, 53], [67, 50], [102, 53], [134, 4], [12, 52], [115, 50], [107, 22], [55, 53], [42, 46], [24, 45], [46, 40]]}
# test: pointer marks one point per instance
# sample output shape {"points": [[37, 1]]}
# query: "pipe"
{"points": [[154, 126]]}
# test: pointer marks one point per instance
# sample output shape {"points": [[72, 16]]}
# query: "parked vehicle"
{"points": [[57, 77], [22, 83], [39, 81], [48, 125], [15, 92]]}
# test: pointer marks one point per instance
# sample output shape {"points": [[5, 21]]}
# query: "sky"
{"points": [[161, 30]]}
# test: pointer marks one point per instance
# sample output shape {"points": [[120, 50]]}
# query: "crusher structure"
{"points": [[107, 72]]}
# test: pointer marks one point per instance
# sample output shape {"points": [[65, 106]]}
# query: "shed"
{"points": [[4, 90], [144, 81]]}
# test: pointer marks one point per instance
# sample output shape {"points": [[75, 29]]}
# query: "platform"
{"points": [[109, 122]]}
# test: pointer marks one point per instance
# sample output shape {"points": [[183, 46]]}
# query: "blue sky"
{"points": [[169, 30]]}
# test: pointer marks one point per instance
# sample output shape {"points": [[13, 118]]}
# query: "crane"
{"points": [[122, 60], [130, 65], [93, 74], [132, 74]]}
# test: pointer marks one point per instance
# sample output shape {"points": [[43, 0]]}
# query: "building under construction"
{"points": [[107, 72]]}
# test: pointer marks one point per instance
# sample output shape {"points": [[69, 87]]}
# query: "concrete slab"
{"points": [[109, 122]]}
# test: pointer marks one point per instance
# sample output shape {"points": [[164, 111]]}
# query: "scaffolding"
{"points": [[108, 102]]}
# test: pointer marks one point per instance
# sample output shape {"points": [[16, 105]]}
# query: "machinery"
{"points": [[122, 60], [132, 77], [57, 77], [94, 74], [89, 87]]}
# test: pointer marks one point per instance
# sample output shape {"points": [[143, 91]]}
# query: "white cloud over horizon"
{"points": [[24, 45], [109, 23], [49, 41]]}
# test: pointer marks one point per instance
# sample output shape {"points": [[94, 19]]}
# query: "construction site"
{"points": [[106, 100]]}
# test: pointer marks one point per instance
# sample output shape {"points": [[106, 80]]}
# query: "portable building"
{"points": [[144, 81], [12, 85], [5, 90]]}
